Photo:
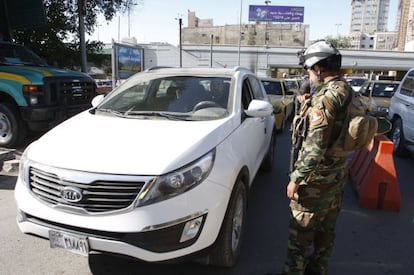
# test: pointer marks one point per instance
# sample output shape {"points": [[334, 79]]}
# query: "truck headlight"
{"points": [[177, 182]]}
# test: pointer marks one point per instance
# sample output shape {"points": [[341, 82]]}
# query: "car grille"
{"points": [[68, 91], [96, 196]]}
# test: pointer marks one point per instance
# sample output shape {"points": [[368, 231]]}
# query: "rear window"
{"points": [[273, 87]]}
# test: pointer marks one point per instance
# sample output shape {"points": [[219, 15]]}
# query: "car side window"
{"points": [[246, 94], [256, 88], [407, 87]]}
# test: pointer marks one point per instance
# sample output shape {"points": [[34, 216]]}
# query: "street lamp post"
{"points": [[240, 29], [267, 22], [180, 23], [267, 35], [211, 50], [337, 29]]}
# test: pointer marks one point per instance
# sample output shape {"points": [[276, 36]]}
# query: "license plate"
{"points": [[73, 243]]}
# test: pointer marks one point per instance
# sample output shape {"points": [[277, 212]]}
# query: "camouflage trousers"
{"points": [[311, 238]]}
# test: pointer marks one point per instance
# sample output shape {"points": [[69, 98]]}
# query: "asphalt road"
{"points": [[369, 241]]}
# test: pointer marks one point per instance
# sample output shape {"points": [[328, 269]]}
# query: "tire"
{"points": [[267, 164], [12, 129], [397, 137], [228, 244]]}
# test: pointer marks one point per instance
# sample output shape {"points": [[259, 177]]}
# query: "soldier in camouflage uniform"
{"points": [[318, 178]]}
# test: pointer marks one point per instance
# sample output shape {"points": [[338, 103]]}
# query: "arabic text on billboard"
{"points": [[129, 60], [284, 14]]}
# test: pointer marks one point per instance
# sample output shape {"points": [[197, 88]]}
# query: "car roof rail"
{"points": [[157, 68], [240, 68]]}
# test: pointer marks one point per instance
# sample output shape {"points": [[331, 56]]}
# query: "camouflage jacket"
{"points": [[319, 175]]}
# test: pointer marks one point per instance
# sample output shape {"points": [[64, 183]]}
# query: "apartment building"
{"points": [[369, 16], [405, 25]]}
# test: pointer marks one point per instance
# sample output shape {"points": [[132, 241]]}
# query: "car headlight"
{"points": [[23, 167], [382, 109], [177, 182]]}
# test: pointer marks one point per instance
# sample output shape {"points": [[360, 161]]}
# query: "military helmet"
{"points": [[319, 51]]}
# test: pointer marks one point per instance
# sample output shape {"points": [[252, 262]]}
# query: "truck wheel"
{"points": [[228, 245], [12, 130], [397, 137]]}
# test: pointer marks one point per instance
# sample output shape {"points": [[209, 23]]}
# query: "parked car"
{"points": [[293, 84], [156, 170], [401, 114], [281, 98], [356, 82], [377, 95]]}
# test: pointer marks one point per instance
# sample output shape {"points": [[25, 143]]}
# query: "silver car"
{"points": [[401, 114]]}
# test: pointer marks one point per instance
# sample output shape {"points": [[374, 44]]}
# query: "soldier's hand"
{"points": [[291, 191], [304, 97]]}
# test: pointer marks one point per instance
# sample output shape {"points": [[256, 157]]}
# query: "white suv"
{"points": [[158, 169], [401, 114]]}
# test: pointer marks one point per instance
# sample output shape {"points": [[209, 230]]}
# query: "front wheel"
{"points": [[228, 245], [397, 137], [12, 130]]}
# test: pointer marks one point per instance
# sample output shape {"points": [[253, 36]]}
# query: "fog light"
{"points": [[191, 229], [21, 217], [33, 100]]}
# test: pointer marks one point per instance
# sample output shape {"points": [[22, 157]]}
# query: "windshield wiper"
{"points": [[110, 111], [157, 114]]}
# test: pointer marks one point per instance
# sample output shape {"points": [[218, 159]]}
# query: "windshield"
{"points": [[13, 54], [169, 97]]}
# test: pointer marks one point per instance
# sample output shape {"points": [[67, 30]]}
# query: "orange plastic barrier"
{"points": [[373, 176]]}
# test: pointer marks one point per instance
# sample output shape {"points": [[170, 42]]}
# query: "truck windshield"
{"points": [[13, 54]]}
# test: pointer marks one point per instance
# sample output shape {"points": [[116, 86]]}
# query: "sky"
{"points": [[157, 20]]}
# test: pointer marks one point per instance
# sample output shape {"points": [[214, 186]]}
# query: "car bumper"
{"points": [[40, 119], [150, 233]]}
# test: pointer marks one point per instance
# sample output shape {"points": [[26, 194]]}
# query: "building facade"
{"points": [[405, 24], [369, 16], [203, 31]]}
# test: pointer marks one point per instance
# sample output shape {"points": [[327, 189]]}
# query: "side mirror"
{"points": [[97, 100], [259, 108]]}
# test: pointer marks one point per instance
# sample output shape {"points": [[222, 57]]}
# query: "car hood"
{"points": [[107, 144]]}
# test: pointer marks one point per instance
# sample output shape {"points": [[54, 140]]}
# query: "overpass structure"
{"points": [[260, 59]]}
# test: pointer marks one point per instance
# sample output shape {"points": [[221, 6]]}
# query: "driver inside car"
{"points": [[219, 92], [189, 97]]}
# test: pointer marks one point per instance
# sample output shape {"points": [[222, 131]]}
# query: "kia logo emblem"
{"points": [[71, 194]]}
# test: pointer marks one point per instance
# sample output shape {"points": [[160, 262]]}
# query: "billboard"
{"points": [[128, 60], [284, 14]]}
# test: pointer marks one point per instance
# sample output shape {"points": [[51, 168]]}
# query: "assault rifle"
{"points": [[298, 131]]}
